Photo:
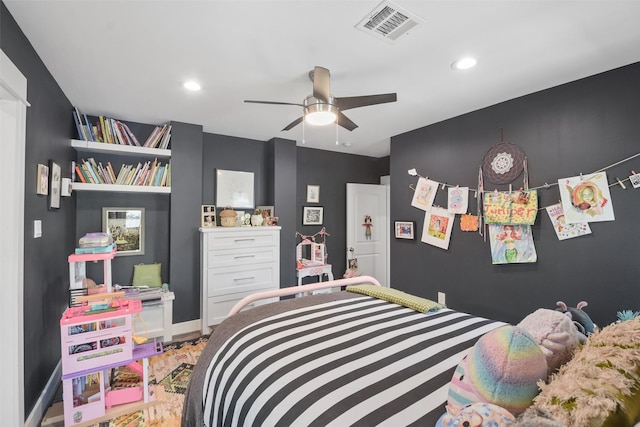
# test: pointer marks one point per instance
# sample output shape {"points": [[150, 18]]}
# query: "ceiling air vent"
{"points": [[388, 21]]}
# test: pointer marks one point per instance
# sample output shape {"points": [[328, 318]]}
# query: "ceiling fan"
{"points": [[322, 108]]}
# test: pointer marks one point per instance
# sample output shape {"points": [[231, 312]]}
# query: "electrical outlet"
{"points": [[441, 298]]}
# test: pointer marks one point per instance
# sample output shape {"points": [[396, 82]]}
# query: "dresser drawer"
{"points": [[235, 240], [239, 279], [219, 306], [244, 256]]}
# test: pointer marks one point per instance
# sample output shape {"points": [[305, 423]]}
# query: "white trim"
{"points": [[13, 106], [46, 397], [186, 327]]}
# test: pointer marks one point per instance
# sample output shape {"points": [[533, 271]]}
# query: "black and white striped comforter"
{"points": [[360, 361]]}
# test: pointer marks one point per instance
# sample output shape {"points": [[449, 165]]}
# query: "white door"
{"points": [[13, 106], [368, 229]]}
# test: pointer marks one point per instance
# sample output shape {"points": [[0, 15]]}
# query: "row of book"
{"points": [[150, 173], [114, 131]]}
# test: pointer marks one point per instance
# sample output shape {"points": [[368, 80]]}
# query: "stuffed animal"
{"points": [[555, 333], [476, 415], [581, 320], [502, 368]]}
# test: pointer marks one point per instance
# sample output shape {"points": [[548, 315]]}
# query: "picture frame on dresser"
{"points": [[208, 216], [234, 189], [126, 226]]}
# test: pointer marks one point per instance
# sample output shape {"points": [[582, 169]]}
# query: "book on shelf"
{"points": [[112, 131]]}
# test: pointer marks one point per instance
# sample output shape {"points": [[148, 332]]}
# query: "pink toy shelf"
{"points": [[87, 394], [98, 333]]}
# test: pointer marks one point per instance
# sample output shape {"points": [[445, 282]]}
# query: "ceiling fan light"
{"points": [[320, 118]]}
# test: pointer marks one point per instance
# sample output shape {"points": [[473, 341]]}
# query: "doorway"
{"points": [[368, 230]]}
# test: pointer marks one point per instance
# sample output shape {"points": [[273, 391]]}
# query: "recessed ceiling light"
{"points": [[192, 85], [464, 63]]}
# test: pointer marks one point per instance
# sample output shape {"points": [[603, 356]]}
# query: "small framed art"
{"points": [[267, 211], [312, 215], [208, 216], [404, 229], [313, 194], [126, 226], [55, 185], [42, 184]]}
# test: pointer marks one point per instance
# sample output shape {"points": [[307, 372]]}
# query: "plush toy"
{"points": [[580, 319], [476, 415], [502, 368], [536, 417], [555, 333]]}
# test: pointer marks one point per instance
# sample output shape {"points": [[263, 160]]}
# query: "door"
{"points": [[368, 229], [13, 112]]}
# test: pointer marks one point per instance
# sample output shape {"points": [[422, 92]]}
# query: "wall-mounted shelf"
{"points": [[127, 150], [115, 188]]}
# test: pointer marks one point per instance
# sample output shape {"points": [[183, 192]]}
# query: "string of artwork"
{"points": [[506, 216]]}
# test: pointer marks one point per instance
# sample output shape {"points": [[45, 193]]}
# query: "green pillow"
{"points": [[147, 275]]}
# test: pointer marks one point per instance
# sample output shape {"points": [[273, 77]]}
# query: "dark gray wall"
{"points": [[332, 171], [186, 198], [45, 259], [284, 172], [575, 128]]}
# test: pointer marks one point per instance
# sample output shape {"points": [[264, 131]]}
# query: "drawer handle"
{"points": [[245, 256], [244, 278], [244, 240]]}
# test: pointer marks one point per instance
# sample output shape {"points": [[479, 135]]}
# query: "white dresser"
{"points": [[235, 262]]}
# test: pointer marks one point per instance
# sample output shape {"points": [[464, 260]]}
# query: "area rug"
{"points": [[171, 370]]}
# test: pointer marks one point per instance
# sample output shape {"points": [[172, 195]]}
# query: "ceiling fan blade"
{"points": [[349, 102], [345, 122], [321, 85], [272, 102], [293, 124]]}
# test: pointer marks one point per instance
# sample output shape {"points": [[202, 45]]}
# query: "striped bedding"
{"points": [[355, 361]]}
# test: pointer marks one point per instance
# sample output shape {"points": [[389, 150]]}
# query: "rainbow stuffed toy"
{"points": [[502, 368]]}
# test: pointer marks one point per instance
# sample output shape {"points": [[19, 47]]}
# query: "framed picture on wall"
{"points": [[313, 194], [55, 185], [126, 226], [312, 215], [234, 189], [42, 184], [404, 229]]}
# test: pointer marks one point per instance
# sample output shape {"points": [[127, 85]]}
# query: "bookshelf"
{"points": [[123, 150], [128, 150]]}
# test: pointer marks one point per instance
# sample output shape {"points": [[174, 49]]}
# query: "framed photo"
{"points": [[207, 216], [313, 194], [267, 211], [234, 189], [312, 215], [42, 182], [126, 226], [55, 185], [404, 229], [317, 253]]}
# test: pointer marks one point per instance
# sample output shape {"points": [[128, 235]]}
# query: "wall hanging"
{"points": [[511, 244], [586, 198], [438, 224], [563, 230]]}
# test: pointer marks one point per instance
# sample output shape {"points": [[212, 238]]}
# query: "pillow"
{"points": [[600, 385], [147, 275], [422, 305]]}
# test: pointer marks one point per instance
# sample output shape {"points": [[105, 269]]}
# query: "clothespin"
{"points": [[475, 194], [443, 185], [580, 176], [509, 188], [546, 186], [621, 184]]}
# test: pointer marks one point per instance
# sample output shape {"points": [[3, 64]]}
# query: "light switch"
{"points": [[37, 228]]}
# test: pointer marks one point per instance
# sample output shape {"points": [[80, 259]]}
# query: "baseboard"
{"points": [[46, 397], [186, 327]]}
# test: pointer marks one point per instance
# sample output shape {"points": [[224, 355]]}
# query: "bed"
{"points": [[339, 358]]}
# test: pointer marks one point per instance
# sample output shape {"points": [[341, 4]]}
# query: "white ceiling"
{"points": [[129, 59]]}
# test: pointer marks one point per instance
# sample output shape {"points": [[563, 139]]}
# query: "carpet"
{"points": [[171, 370]]}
